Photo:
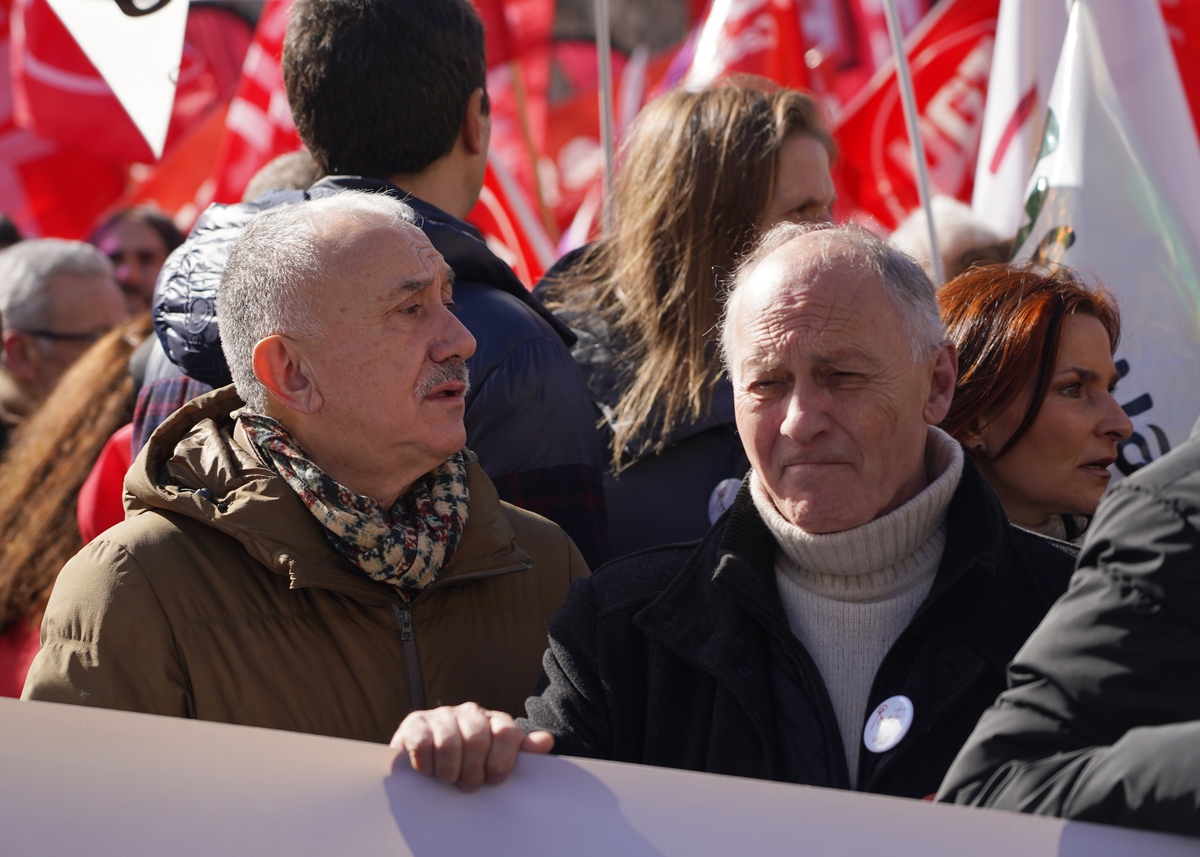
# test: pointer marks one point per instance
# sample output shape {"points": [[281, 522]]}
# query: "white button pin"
{"points": [[888, 724], [722, 498]]}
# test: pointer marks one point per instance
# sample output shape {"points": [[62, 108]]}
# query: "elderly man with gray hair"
{"points": [[850, 617], [56, 298], [313, 548]]}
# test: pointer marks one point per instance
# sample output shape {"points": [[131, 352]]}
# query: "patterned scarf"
{"points": [[407, 545]]}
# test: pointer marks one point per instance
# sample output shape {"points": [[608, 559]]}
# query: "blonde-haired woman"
{"points": [[701, 175]]}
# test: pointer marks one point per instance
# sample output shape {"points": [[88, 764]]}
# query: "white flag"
{"points": [[1097, 202], [1029, 37]]}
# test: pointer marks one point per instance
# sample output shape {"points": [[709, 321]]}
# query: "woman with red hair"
{"points": [[1034, 403]]}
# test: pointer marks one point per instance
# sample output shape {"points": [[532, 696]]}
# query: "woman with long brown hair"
{"points": [[701, 175], [40, 476], [1033, 404]]}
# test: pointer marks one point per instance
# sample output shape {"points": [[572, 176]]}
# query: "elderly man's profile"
{"points": [[313, 548]]}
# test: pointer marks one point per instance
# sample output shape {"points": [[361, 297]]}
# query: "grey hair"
{"points": [[267, 284], [27, 267], [909, 287]]}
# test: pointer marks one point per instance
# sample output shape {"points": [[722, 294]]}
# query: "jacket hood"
{"points": [[184, 311], [201, 464]]}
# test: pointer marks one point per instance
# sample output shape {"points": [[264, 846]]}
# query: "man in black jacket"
{"points": [[389, 96], [1103, 719], [849, 619]]}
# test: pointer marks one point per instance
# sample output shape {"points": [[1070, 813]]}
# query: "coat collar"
{"points": [[727, 585], [200, 464]]}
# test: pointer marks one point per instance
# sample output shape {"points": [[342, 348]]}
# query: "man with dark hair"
{"points": [[388, 96]]}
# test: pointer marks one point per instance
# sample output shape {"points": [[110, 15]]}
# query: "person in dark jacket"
{"points": [[1102, 722], [849, 619], [702, 174], [389, 96]]}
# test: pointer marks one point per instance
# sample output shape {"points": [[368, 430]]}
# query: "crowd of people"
{"points": [[327, 466]]}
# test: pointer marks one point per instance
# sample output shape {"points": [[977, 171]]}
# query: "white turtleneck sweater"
{"points": [[849, 595]]}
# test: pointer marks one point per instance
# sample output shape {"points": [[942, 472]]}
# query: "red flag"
{"points": [[760, 37], [950, 54], [512, 230], [47, 188], [59, 94], [259, 124], [1183, 27]]}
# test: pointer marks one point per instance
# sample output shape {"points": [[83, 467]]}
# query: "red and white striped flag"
{"points": [[259, 125]]}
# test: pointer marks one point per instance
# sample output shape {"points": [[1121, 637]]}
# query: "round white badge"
{"points": [[722, 498], [888, 724]]}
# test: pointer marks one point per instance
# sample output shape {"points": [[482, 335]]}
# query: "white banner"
{"points": [[81, 781], [1097, 202]]}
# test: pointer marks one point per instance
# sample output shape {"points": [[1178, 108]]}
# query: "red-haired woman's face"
{"points": [[1061, 465]]}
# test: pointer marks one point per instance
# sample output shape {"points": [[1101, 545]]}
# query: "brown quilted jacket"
{"points": [[220, 598]]}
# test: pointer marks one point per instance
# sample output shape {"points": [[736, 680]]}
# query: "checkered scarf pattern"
{"points": [[406, 545]]}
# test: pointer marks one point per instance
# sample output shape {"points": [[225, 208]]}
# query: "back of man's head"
{"points": [[380, 87], [27, 269]]}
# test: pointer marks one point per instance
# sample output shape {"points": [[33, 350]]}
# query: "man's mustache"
{"points": [[451, 370]]}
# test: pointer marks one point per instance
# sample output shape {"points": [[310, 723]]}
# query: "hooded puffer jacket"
{"points": [[221, 598]]}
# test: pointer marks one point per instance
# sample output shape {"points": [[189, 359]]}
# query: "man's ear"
{"points": [[476, 124], [19, 355], [941, 383], [279, 364]]}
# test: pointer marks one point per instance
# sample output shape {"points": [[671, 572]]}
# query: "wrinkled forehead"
{"points": [[812, 284], [349, 238]]}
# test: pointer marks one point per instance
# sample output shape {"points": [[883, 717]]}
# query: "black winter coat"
{"points": [[682, 656], [1103, 720], [658, 498]]}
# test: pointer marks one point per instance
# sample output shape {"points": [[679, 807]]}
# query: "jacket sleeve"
{"points": [[570, 699], [1102, 718], [106, 641]]}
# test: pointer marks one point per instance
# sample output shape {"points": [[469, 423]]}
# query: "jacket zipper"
{"points": [[408, 634], [412, 663]]}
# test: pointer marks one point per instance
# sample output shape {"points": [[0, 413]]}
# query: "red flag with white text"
{"points": [[760, 37], [950, 54]]}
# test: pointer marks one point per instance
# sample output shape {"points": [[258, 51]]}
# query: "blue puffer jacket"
{"points": [[528, 417]]}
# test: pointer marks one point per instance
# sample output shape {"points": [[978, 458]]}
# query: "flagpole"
{"points": [[604, 57], [909, 101]]}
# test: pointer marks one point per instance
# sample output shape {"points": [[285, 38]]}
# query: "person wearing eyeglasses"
{"points": [[56, 298]]}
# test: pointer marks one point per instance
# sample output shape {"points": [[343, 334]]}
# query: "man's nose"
{"points": [[454, 340], [807, 414]]}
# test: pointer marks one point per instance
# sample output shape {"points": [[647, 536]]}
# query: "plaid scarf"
{"points": [[407, 545]]}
